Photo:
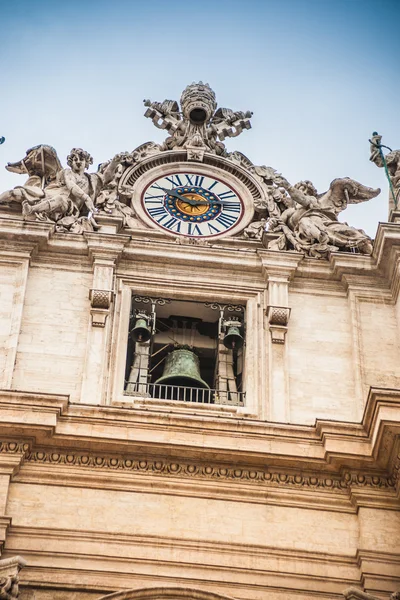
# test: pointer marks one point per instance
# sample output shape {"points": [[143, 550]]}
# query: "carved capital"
{"points": [[278, 319]]}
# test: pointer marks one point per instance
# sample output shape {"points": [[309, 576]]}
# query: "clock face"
{"points": [[192, 204]]}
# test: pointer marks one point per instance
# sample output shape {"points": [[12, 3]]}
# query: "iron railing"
{"points": [[185, 394]]}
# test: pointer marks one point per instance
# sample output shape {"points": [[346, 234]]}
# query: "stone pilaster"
{"points": [[10, 464], [104, 250], [278, 270], [14, 265]]}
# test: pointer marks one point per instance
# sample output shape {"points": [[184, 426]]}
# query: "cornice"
{"points": [[230, 288], [236, 254], [376, 274], [283, 264], [330, 560], [301, 587], [106, 246], [16, 229], [326, 437], [358, 461]]}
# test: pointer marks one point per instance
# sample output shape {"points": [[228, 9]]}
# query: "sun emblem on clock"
{"points": [[193, 204]]}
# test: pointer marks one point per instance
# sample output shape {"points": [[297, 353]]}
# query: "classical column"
{"points": [[104, 250]]}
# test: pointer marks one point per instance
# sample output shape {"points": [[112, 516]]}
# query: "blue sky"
{"points": [[319, 75]]}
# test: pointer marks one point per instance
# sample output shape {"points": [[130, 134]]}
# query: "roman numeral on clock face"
{"points": [[194, 229], [173, 224], [226, 220], [156, 211], [175, 180], [234, 207], [196, 180], [227, 194]]}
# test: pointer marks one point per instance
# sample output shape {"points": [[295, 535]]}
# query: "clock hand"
{"points": [[189, 200], [178, 196]]}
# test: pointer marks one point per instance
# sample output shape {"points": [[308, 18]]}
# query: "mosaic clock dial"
{"points": [[192, 204]]}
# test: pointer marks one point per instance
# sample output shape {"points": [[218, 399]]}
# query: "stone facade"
{"points": [[295, 491]]}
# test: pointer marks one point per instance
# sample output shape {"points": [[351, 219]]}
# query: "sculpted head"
{"points": [[307, 187], [78, 159]]}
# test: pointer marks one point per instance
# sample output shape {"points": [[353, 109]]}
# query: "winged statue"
{"points": [[308, 221]]}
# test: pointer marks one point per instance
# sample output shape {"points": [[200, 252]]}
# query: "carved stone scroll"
{"points": [[9, 577]]}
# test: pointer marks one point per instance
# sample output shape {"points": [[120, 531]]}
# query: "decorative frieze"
{"points": [[162, 467]]}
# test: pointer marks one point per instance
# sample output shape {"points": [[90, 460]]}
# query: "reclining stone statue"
{"points": [[309, 223], [63, 196]]}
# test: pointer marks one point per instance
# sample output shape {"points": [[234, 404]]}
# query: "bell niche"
{"points": [[185, 351]]}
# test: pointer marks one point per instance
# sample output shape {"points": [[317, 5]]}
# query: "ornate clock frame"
{"points": [[140, 175]]}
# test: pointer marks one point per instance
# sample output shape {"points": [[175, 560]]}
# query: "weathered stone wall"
{"points": [[214, 520], [380, 344], [321, 366], [9, 288], [52, 341]]}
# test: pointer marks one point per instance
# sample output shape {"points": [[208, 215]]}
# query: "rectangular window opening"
{"points": [[186, 351]]}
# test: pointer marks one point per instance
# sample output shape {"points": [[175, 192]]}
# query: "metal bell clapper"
{"points": [[142, 331], [182, 368], [232, 339]]}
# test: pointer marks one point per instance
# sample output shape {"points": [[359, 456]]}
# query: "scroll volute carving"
{"points": [[9, 577]]}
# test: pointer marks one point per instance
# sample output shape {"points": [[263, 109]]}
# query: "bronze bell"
{"points": [[182, 368], [142, 330], [232, 338]]}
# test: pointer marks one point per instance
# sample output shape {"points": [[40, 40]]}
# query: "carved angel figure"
{"points": [[309, 223], [62, 196]]}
